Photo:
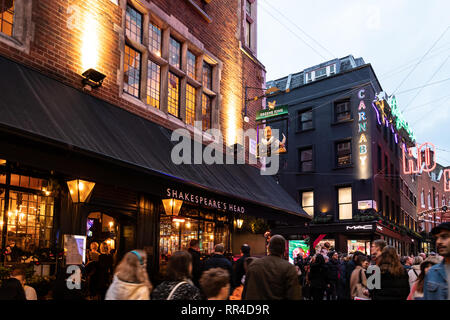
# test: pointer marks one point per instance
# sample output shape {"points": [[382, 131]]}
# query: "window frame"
{"points": [[335, 113], [300, 162], [300, 121], [311, 206], [336, 153], [339, 204]]}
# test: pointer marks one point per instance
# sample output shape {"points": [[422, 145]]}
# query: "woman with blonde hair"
{"points": [[394, 279], [131, 278]]}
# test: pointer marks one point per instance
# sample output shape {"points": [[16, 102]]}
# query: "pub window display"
{"points": [[28, 216]]}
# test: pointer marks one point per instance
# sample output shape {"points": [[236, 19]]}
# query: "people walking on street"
{"points": [[215, 284], [178, 285], [350, 266], [238, 269], [376, 249], [218, 260], [101, 276], [414, 272], [318, 277], [196, 261], [12, 288], [19, 274], [93, 254], [333, 275], [130, 280], [437, 280], [407, 262], [237, 292], [417, 287], [272, 277], [394, 283], [358, 279]]}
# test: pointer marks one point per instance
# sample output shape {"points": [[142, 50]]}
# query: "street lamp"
{"points": [[80, 190], [172, 206]]}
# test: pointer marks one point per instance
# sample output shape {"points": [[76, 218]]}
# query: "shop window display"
{"points": [[29, 215], [358, 245]]}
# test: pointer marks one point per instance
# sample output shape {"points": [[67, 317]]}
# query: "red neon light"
{"points": [[408, 164], [447, 180], [429, 155], [429, 159]]}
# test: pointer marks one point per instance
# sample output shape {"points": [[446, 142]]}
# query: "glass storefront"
{"points": [[358, 245], [29, 213], [208, 227]]}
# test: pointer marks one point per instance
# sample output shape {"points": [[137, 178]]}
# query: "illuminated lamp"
{"points": [[246, 119], [239, 223], [172, 206], [2, 162], [178, 220], [80, 190], [92, 78]]}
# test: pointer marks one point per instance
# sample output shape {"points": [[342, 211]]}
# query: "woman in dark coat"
{"points": [[394, 279], [318, 277], [101, 273]]}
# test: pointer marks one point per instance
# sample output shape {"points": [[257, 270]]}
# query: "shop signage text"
{"points": [[208, 202], [270, 113], [365, 227], [362, 128]]}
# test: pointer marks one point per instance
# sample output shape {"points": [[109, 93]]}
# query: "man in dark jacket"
{"points": [[196, 261], [218, 260], [239, 271], [272, 277], [333, 275]]}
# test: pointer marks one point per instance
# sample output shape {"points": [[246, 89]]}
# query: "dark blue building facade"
{"points": [[343, 157]]}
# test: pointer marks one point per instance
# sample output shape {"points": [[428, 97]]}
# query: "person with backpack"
{"points": [[358, 279], [178, 285], [414, 272]]}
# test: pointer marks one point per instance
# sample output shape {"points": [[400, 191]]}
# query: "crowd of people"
{"points": [[324, 275]]}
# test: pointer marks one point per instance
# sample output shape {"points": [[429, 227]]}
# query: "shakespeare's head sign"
{"points": [[270, 144]]}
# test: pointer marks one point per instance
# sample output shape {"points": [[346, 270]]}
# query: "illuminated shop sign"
{"points": [[423, 160], [365, 227], [362, 128], [396, 119], [447, 180], [205, 201], [367, 204]]}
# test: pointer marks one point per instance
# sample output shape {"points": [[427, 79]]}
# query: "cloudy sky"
{"points": [[392, 35]]}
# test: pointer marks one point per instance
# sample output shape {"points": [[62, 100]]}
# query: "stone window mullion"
{"points": [[198, 98], [183, 82], [165, 70]]}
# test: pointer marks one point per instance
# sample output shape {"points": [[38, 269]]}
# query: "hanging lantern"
{"points": [[239, 223], [172, 206], [80, 190]]}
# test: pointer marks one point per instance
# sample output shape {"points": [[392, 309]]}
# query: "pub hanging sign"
{"points": [[205, 201], [271, 112]]}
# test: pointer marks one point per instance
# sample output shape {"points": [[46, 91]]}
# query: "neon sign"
{"points": [[425, 160], [362, 128], [447, 180], [399, 120]]}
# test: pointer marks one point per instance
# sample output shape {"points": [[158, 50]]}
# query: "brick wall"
{"points": [[56, 42]]}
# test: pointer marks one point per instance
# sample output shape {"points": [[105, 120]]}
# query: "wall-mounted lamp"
{"points": [[92, 79], [172, 206], [80, 190], [239, 223]]}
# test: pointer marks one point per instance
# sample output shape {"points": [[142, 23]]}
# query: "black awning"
{"points": [[40, 106]]}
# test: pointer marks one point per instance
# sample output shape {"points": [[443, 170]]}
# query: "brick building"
{"points": [[78, 150], [432, 202]]}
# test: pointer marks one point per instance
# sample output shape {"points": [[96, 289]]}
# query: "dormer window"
{"points": [[321, 73]]}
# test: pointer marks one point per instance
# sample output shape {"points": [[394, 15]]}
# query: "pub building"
{"points": [[90, 95], [75, 165], [345, 141]]}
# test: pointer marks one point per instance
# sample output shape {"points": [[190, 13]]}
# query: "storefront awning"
{"points": [[47, 109]]}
